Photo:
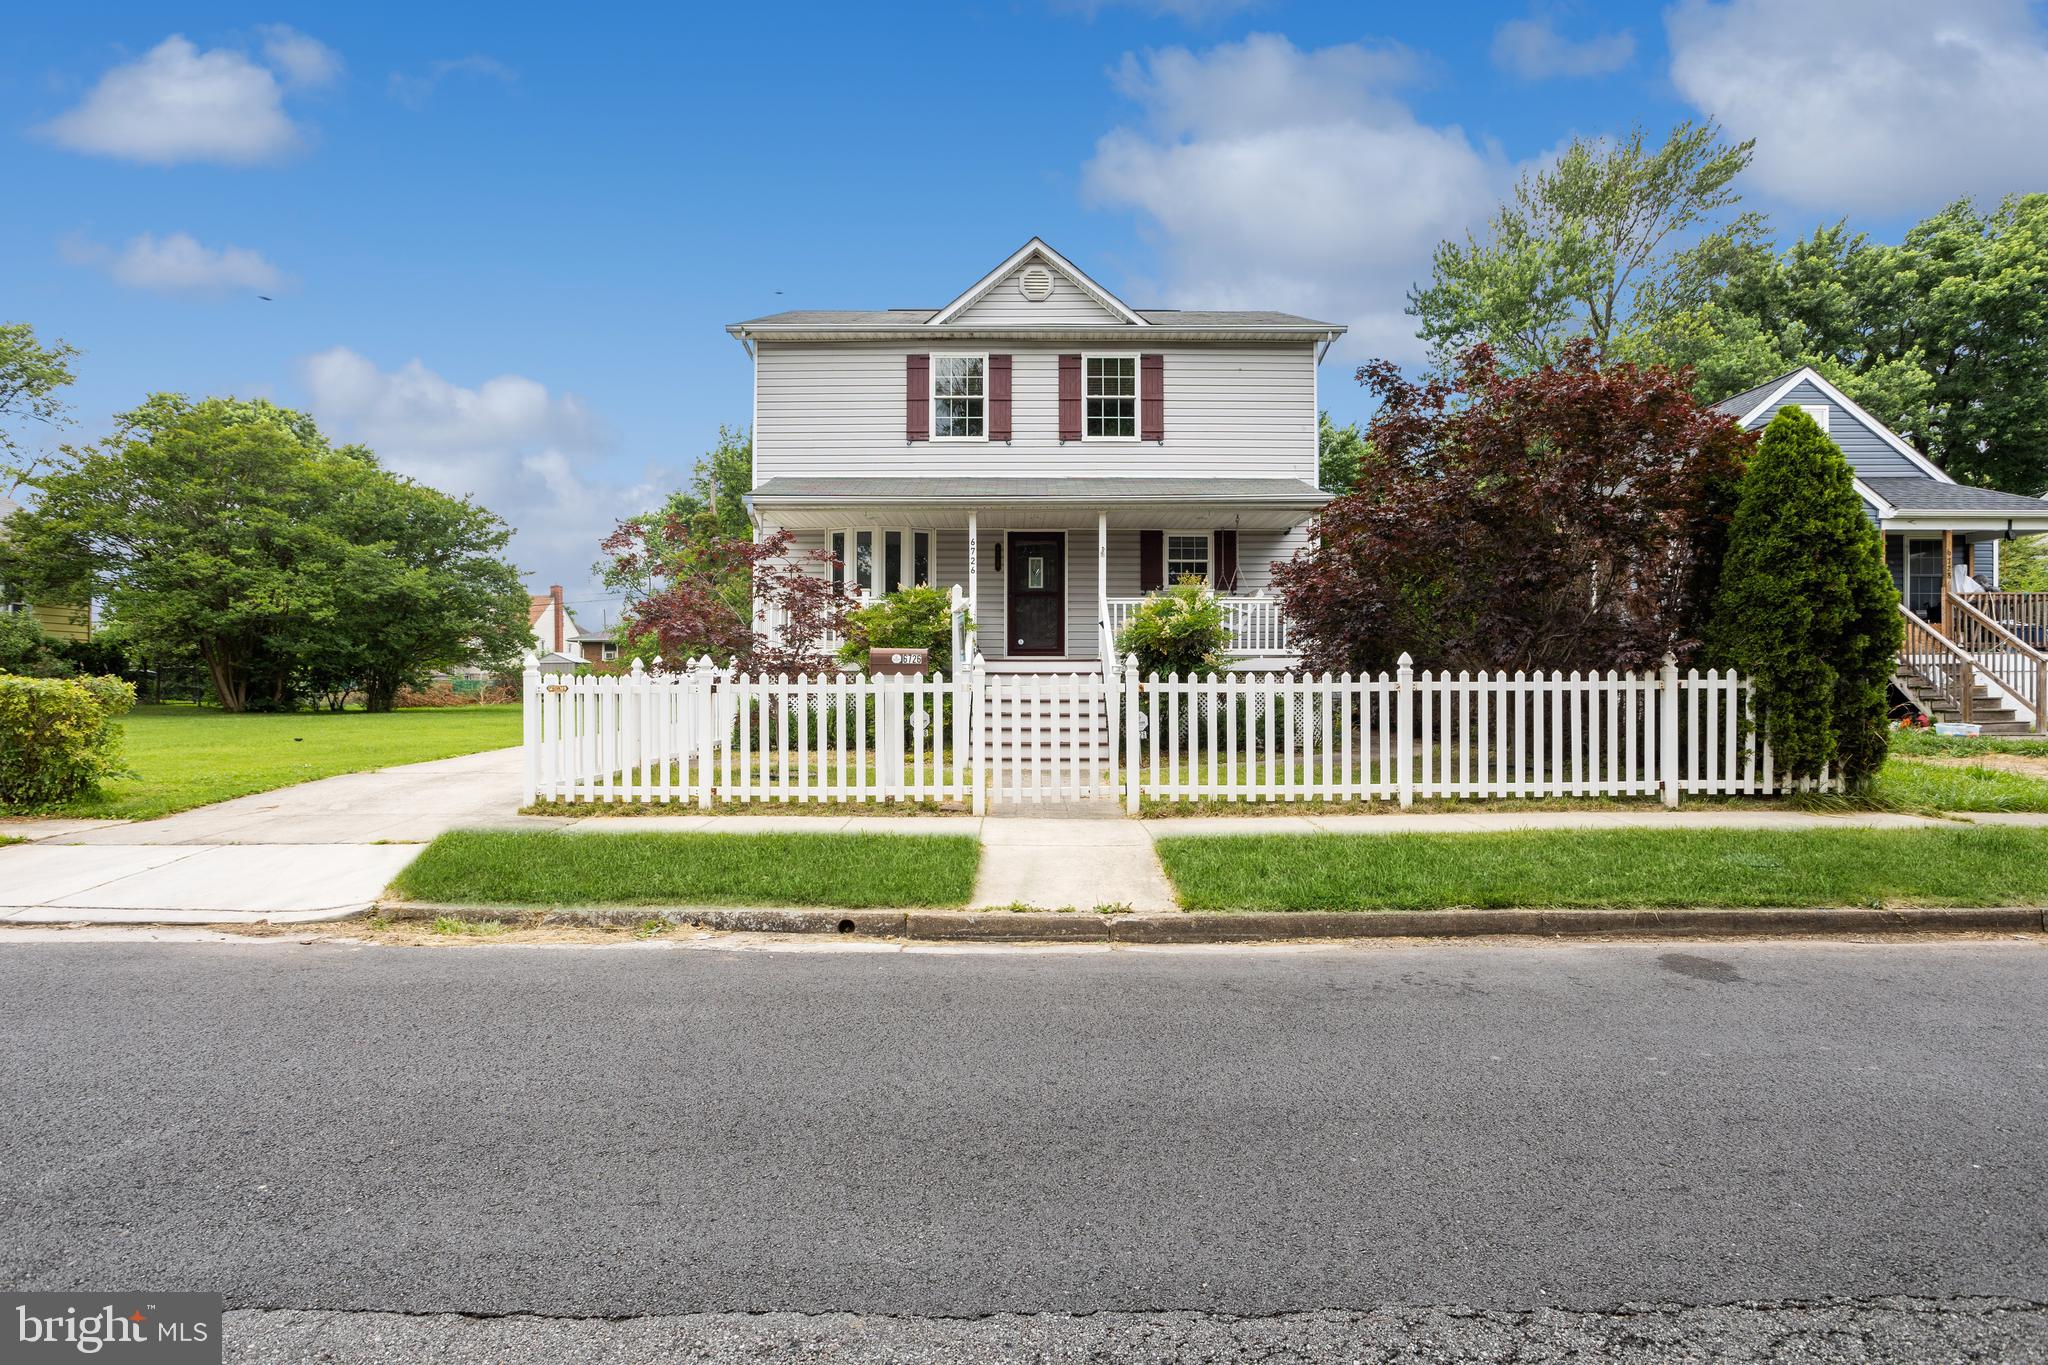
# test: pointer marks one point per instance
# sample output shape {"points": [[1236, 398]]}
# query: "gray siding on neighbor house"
{"points": [[1984, 562], [1868, 453], [1243, 410]]}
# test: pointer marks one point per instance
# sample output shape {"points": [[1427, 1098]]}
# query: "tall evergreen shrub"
{"points": [[1806, 608]]}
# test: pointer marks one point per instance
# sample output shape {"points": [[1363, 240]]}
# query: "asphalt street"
{"points": [[1206, 1137]]}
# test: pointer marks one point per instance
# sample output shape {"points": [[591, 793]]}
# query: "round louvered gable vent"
{"points": [[1035, 283]]}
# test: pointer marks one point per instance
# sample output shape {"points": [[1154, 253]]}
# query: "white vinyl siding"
{"points": [[1233, 410], [1006, 306]]}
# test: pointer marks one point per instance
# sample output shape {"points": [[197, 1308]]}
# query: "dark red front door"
{"points": [[1037, 596]]}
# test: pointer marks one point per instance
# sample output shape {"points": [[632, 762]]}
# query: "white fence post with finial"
{"points": [[1667, 729], [703, 675], [1403, 757], [1132, 794]]}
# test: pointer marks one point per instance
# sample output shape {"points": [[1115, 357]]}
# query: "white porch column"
{"points": [[1105, 647], [973, 574]]}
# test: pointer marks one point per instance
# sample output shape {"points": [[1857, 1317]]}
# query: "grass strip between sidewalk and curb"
{"points": [[547, 868], [1610, 869]]}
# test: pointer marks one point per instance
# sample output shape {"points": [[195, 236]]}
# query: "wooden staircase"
{"points": [[1980, 673]]}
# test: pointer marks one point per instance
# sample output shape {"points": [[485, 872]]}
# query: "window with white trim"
{"points": [[1187, 553], [883, 561], [1818, 412], [959, 397], [1109, 391], [609, 650]]}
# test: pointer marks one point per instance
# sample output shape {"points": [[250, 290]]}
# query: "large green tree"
{"points": [[1806, 609], [1943, 336], [697, 534], [32, 376], [233, 531], [1610, 241], [1340, 453]]}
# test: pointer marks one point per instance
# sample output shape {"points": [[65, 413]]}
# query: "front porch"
{"points": [[1972, 652], [1052, 570]]}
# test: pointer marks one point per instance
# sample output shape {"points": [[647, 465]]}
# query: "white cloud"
{"points": [[414, 91], [302, 61], [1274, 177], [177, 264], [1534, 50], [176, 103], [520, 449], [1873, 105]]}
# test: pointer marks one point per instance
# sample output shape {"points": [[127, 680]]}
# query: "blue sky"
{"points": [[502, 241]]}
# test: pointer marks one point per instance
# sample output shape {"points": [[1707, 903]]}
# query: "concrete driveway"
{"points": [[414, 802], [319, 850]]}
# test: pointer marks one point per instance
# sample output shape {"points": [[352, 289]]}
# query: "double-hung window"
{"points": [[1110, 397], [960, 397], [879, 562], [1187, 554]]}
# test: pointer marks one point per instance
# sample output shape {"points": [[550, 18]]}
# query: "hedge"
{"points": [[58, 737]]}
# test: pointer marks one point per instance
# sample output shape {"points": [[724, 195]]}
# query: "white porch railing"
{"points": [[1258, 627]]}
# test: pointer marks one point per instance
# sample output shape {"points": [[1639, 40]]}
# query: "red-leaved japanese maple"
{"points": [[1567, 517], [701, 587]]}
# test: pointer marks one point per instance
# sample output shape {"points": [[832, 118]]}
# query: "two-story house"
{"points": [[1051, 450]]}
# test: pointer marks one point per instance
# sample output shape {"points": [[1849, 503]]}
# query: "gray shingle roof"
{"points": [[1932, 495], [1044, 490], [1737, 405]]}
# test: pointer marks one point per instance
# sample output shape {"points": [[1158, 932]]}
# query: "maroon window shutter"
{"points": [[1070, 398], [999, 398], [917, 398], [1152, 397], [1226, 561], [1151, 561]]}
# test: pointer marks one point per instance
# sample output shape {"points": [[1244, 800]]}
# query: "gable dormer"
{"points": [[1037, 287]]}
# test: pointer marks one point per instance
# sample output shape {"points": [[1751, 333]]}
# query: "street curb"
{"points": [[1006, 926]]}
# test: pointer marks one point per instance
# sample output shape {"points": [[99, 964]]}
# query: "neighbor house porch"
{"points": [[1973, 651], [1052, 569]]}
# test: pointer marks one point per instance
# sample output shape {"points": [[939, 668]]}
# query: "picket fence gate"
{"points": [[707, 734]]}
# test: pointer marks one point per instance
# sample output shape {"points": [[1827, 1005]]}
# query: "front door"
{"points": [[1915, 562], [1037, 596]]}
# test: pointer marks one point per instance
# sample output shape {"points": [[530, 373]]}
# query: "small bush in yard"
{"points": [[914, 618], [1179, 631], [58, 737]]}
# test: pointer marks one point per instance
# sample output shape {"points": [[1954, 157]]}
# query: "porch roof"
{"points": [[1051, 502], [1936, 504]]}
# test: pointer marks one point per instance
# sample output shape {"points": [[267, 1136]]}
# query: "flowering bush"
{"points": [[1181, 630], [58, 737]]}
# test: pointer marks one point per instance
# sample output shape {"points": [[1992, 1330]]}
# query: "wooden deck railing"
{"points": [[1947, 668], [2002, 656], [2024, 614]]}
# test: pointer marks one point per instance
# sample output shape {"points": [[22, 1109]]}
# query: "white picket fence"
{"points": [[708, 734]]}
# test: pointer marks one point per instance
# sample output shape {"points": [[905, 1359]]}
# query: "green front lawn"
{"points": [[845, 871], [1904, 784], [186, 756], [1626, 868]]}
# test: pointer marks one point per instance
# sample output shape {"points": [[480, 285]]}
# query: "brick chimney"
{"points": [[555, 592]]}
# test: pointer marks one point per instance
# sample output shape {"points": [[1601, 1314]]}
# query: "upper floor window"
{"points": [[960, 397], [1110, 391]]}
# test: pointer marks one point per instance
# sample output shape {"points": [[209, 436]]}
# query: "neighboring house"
{"points": [[555, 630], [59, 620], [1052, 451], [1941, 542]]}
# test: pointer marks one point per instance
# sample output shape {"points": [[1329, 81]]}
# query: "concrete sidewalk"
{"points": [[320, 850]]}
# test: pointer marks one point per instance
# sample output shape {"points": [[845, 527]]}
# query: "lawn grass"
{"points": [[1925, 743], [1905, 785], [846, 871], [186, 756], [1647, 868]]}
